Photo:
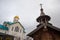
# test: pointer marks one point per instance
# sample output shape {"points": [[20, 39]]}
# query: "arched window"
{"points": [[19, 38], [12, 28], [17, 29]]}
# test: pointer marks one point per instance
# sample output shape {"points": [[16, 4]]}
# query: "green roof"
{"points": [[10, 23], [3, 27]]}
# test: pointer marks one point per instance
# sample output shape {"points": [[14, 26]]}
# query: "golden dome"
{"points": [[16, 17]]}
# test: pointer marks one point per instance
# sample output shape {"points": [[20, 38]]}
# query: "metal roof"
{"points": [[3, 27]]}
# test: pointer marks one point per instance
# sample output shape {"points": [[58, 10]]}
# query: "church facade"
{"points": [[45, 30], [12, 30]]}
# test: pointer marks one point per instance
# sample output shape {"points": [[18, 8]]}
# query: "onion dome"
{"points": [[43, 16]]}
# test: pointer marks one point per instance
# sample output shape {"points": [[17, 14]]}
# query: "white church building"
{"points": [[14, 28]]}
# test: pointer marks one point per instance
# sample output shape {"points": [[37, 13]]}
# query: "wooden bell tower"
{"points": [[45, 30]]}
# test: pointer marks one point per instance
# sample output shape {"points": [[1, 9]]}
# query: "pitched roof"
{"points": [[51, 26], [11, 23]]}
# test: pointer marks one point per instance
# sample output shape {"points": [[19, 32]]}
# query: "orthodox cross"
{"points": [[41, 5]]}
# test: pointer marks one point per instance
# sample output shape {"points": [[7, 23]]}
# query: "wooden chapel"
{"points": [[45, 30]]}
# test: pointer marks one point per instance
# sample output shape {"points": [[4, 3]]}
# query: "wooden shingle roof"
{"points": [[38, 28]]}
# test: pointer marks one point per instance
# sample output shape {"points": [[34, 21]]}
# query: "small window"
{"points": [[19, 38], [17, 29], [12, 28]]}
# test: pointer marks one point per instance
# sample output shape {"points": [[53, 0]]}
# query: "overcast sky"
{"points": [[28, 11]]}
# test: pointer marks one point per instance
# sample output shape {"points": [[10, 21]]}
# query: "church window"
{"points": [[17, 29], [12, 28], [19, 38]]}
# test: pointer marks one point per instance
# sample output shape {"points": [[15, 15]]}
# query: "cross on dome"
{"points": [[41, 5]]}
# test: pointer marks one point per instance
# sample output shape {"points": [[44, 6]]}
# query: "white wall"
{"points": [[16, 34]]}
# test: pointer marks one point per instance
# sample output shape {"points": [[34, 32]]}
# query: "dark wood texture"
{"points": [[46, 34]]}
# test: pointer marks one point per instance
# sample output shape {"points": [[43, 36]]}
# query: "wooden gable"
{"points": [[50, 33]]}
